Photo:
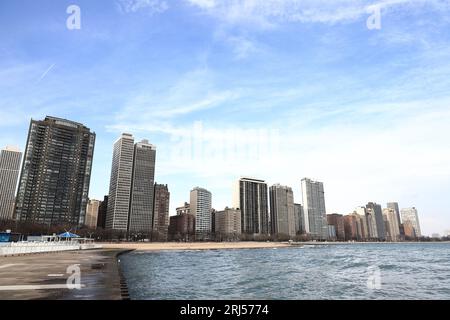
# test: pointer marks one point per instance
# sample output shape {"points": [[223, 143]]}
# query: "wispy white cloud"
{"points": [[195, 91], [266, 13], [150, 6]]}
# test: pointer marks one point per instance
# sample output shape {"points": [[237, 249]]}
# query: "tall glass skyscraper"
{"points": [[250, 196], [56, 172], [9, 174], [314, 207]]}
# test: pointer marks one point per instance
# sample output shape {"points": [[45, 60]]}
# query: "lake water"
{"points": [[348, 271]]}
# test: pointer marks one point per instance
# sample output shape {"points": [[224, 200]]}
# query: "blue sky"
{"points": [[279, 90]]}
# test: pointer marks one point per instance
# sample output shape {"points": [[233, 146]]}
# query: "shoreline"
{"points": [[180, 246]]}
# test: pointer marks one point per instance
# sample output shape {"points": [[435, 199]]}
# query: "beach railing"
{"points": [[19, 248]]}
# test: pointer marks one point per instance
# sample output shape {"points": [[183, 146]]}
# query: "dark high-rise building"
{"points": [[161, 211], [56, 172], [102, 210], [378, 212], [250, 196], [143, 184], [300, 218]]}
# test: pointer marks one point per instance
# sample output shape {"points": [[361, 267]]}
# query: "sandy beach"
{"points": [[193, 246]]}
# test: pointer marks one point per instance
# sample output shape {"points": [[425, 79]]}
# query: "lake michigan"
{"points": [[347, 271]]}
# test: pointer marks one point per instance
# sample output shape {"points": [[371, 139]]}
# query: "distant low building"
{"points": [[182, 227], [186, 208], [228, 224], [337, 220], [92, 213], [409, 230], [331, 232], [350, 227]]}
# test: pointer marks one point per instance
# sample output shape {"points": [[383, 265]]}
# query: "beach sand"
{"points": [[193, 245]]}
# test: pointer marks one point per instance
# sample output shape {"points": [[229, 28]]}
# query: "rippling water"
{"points": [[407, 271]]}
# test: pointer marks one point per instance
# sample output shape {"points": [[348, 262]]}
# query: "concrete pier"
{"points": [[45, 276]]}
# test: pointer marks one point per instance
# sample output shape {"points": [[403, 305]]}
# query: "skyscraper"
{"points": [[361, 214], [56, 172], [299, 218], [394, 229], [394, 206], [250, 196], [411, 215], [120, 184], [200, 206], [92, 213], [142, 191], [282, 211], [161, 211], [370, 223], [377, 211], [10, 158], [314, 207], [131, 191]]}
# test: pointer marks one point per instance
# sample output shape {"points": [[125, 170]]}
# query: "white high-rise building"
{"points": [[200, 206], [314, 207], [10, 158], [120, 183], [411, 215], [282, 211], [250, 196]]}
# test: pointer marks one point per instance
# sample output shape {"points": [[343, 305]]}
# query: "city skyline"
{"points": [[137, 160], [364, 111]]}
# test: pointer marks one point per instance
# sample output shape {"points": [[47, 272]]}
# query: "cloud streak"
{"points": [[149, 6]]}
